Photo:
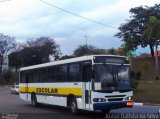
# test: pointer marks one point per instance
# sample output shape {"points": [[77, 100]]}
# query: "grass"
{"points": [[148, 91]]}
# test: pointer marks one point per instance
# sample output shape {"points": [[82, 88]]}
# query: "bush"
{"points": [[145, 65], [134, 79], [134, 84], [138, 75]]}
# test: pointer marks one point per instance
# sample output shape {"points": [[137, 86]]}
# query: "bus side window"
{"points": [[35, 76], [87, 73], [52, 74], [74, 73], [43, 75], [62, 73], [26, 77]]}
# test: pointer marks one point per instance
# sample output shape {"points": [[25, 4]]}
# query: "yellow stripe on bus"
{"points": [[44, 90]]}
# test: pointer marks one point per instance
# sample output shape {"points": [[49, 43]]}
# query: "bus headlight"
{"points": [[99, 100], [129, 98]]}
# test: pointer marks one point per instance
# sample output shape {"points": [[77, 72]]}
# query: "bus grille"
{"points": [[115, 99]]}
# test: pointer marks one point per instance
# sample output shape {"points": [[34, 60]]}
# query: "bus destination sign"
{"points": [[110, 59]]}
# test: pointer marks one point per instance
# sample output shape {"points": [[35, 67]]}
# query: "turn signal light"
{"points": [[129, 104]]}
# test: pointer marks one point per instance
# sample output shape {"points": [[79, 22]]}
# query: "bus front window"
{"points": [[112, 77]]}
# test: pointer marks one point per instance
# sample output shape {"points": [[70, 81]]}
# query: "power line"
{"points": [[77, 15], [4, 0]]}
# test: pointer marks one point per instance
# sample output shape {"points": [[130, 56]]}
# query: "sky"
{"points": [[26, 19]]}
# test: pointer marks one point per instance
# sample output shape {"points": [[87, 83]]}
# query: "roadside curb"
{"points": [[147, 104], [138, 104], [151, 104]]}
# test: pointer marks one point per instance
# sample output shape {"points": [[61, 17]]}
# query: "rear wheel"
{"points": [[73, 106], [34, 100]]}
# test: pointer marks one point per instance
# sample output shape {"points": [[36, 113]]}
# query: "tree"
{"points": [[15, 56], [99, 51], [91, 50], [14, 60], [6, 46], [36, 51], [121, 51], [46, 46], [131, 32], [84, 50], [153, 31], [145, 66], [112, 51], [67, 57]]}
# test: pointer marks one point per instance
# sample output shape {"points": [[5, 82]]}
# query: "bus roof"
{"points": [[77, 59]]}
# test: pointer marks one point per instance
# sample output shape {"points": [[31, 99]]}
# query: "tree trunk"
{"points": [[152, 50], [156, 62]]}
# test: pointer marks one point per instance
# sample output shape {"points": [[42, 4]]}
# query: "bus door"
{"points": [[26, 85], [86, 78]]}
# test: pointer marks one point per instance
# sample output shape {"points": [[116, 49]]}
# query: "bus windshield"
{"points": [[112, 77]]}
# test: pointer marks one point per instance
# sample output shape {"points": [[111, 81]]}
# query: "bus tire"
{"points": [[34, 100], [73, 106]]}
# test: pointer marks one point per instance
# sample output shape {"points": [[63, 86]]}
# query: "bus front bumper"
{"points": [[112, 105]]}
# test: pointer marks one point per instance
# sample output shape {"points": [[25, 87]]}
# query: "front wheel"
{"points": [[73, 106]]}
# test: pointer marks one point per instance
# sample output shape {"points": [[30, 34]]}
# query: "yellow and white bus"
{"points": [[96, 82]]}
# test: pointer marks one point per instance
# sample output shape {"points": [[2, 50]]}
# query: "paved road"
{"points": [[12, 104]]}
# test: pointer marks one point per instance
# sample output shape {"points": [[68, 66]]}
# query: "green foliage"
{"points": [[112, 51], [138, 75], [152, 30], [35, 52], [134, 79], [91, 50], [15, 60], [84, 50], [132, 31], [145, 66], [134, 84], [66, 57]]}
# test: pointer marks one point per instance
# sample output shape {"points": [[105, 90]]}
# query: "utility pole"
{"points": [[86, 39]]}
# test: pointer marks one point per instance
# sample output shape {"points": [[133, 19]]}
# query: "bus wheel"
{"points": [[73, 106], [34, 100]]}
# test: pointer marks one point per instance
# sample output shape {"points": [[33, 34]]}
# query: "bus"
{"points": [[96, 82]]}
